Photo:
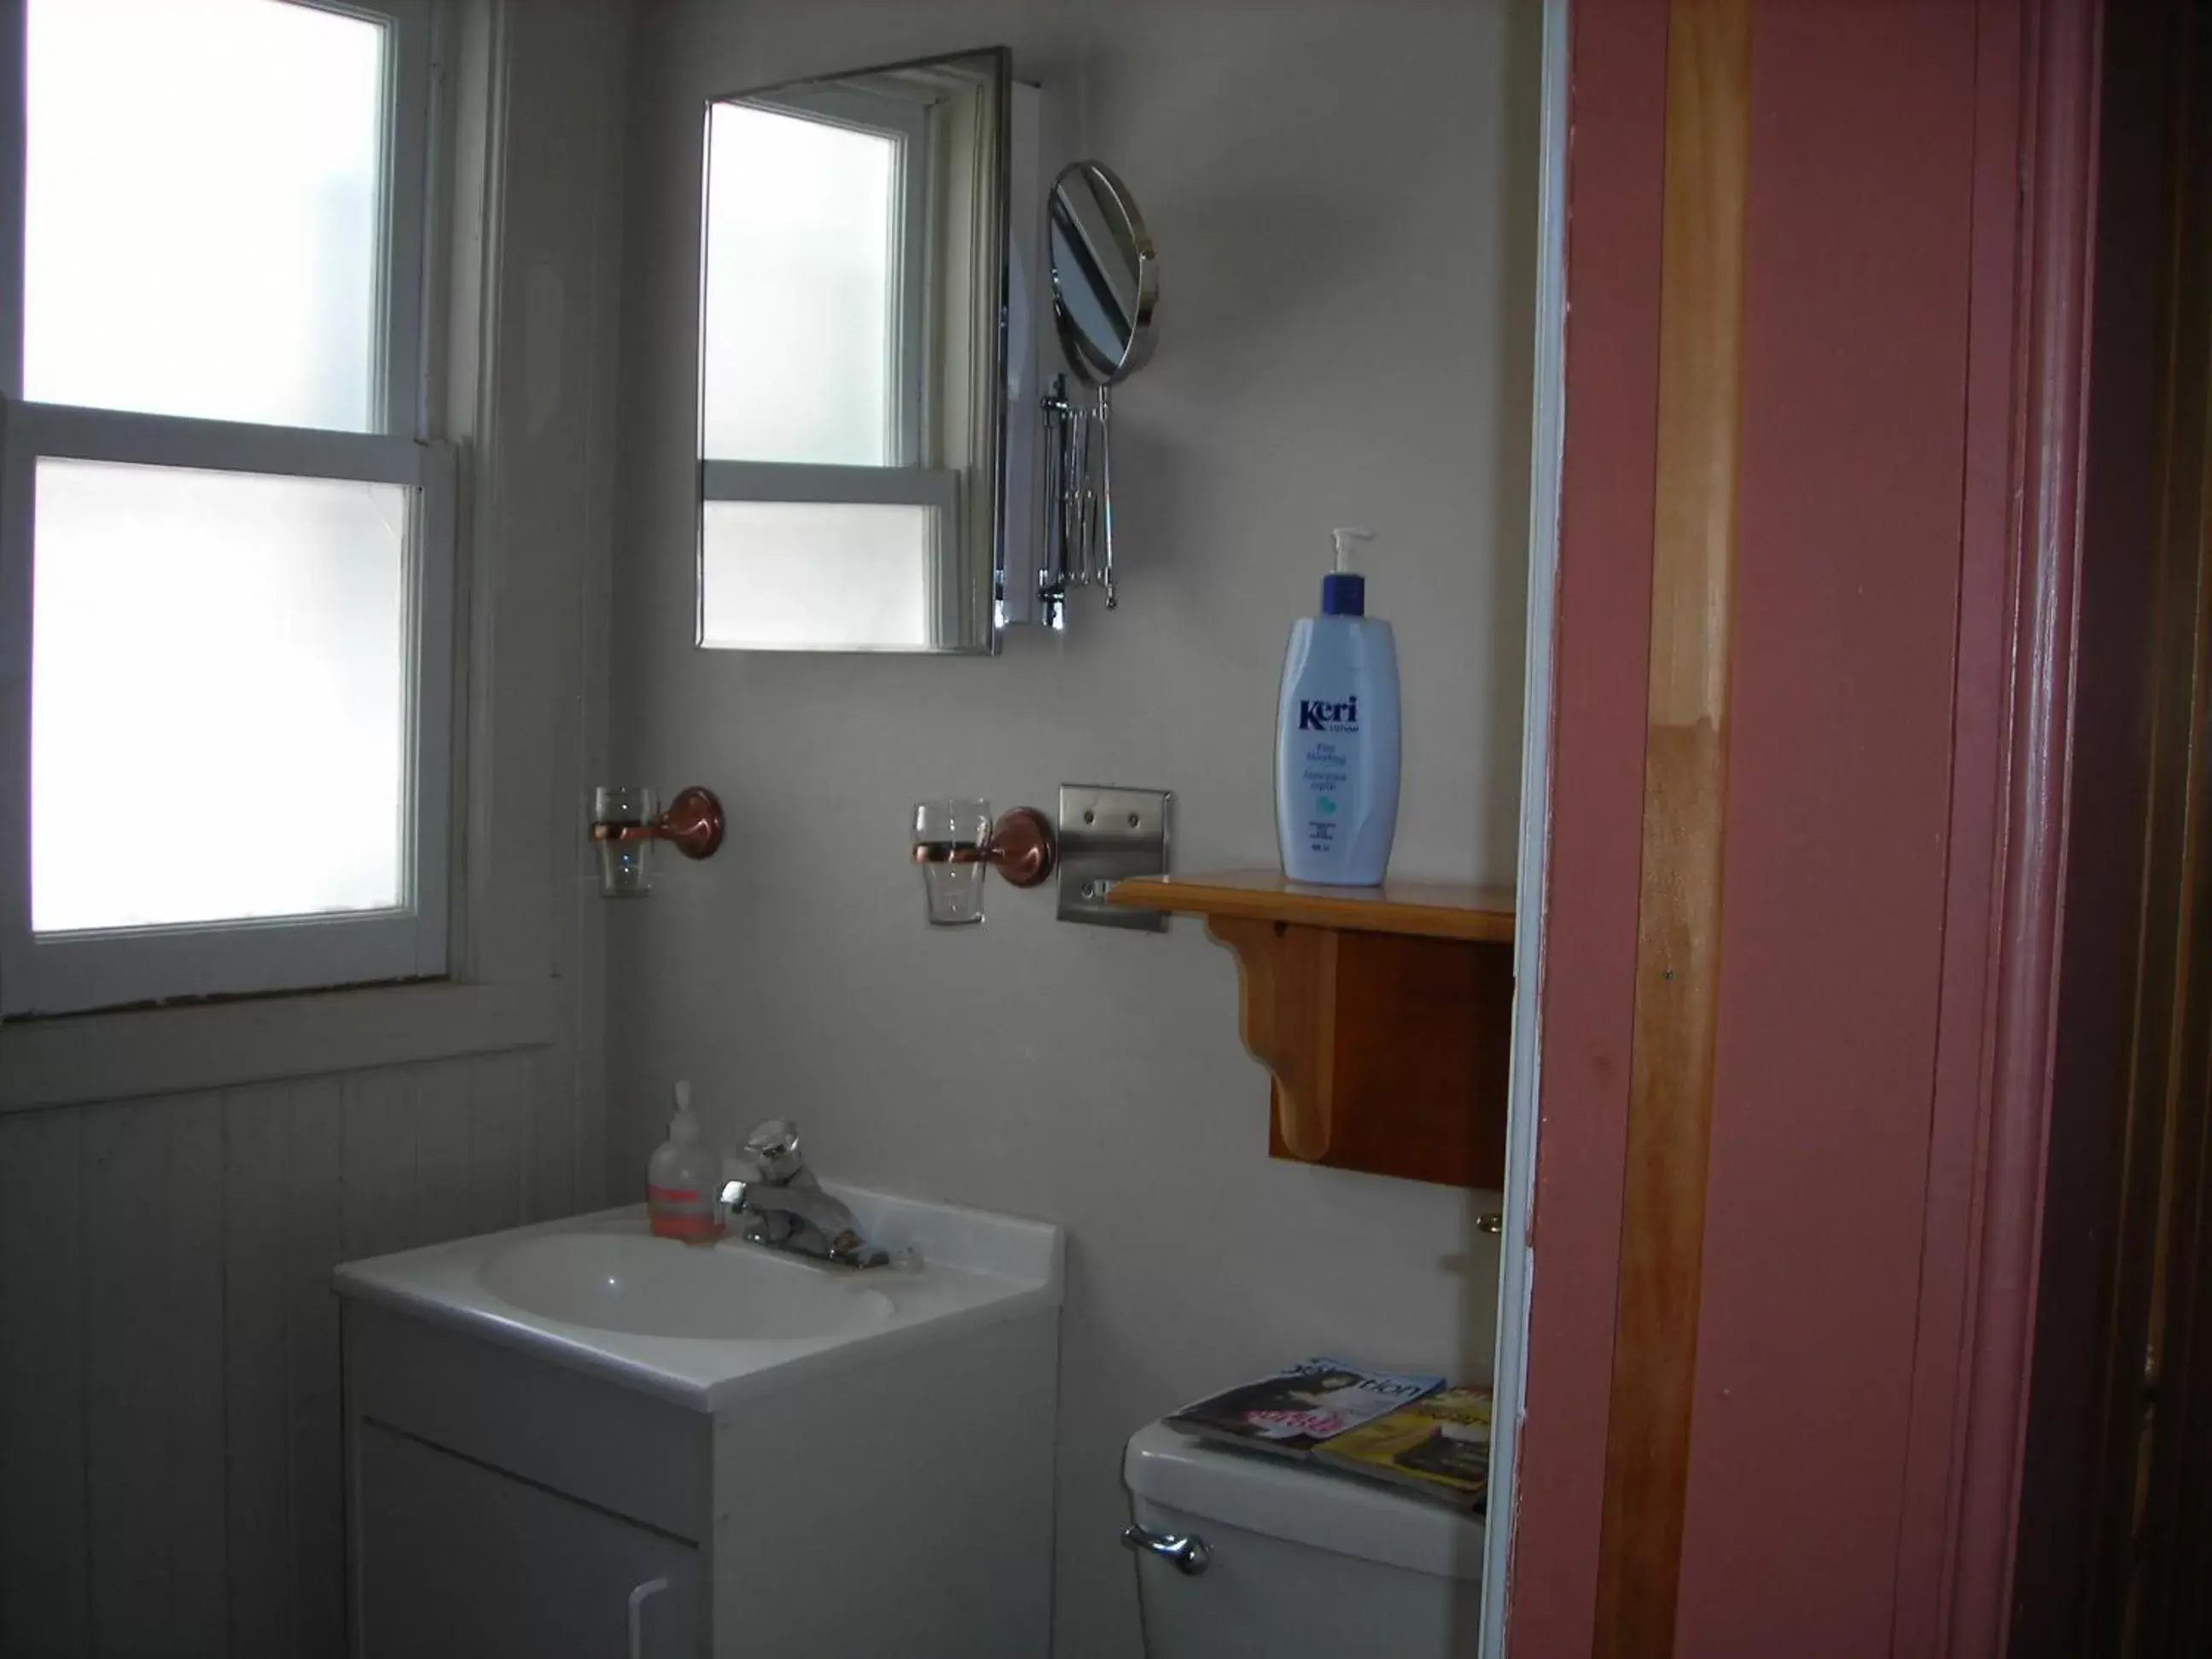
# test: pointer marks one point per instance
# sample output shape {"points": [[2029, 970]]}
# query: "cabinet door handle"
{"points": [[1187, 1555], [638, 1598]]}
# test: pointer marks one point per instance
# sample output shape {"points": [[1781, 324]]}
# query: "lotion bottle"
{"points": [[683, 1179], [1336, 746]]}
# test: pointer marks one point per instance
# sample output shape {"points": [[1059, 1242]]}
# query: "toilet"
{"points": [[1239, 1554]]}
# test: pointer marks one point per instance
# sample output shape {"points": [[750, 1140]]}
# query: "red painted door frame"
{"points": [[1919, 217]]}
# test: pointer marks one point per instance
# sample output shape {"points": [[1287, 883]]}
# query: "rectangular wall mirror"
{"points": [[851, 359]]}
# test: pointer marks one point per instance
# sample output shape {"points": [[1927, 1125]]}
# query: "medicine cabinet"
{"points": [[887, 461]]}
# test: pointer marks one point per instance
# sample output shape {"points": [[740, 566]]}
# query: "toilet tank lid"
{"points": [[1279, 1499]]}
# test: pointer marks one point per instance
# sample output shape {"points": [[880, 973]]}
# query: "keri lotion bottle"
{"points": [[1336, 746]]}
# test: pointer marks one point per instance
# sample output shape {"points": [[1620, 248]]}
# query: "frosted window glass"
{"points": [[807, 574], [213, 647], [801, 276], [202, 228]]}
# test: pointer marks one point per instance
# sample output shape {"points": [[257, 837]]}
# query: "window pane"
{"points": [[221, 650], [800, 283], [795, 574], [203, 232]]}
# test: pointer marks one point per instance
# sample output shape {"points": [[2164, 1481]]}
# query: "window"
{"points": [[226, 550]]}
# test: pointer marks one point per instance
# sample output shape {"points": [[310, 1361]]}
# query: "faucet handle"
{"points": [[773, 1147]]}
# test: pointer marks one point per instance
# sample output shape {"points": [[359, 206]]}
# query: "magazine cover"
{"points": [[1438, 1447], [1302, 1406]]}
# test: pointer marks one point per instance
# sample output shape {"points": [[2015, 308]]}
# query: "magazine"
{"points": [[1438, 1446], [1301, 1407]]}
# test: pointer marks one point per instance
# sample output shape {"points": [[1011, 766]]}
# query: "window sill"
{"points": [[158, 1051]]}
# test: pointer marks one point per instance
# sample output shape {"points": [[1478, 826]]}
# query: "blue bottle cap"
{"points": [[1344, 591], [1343, 594]]}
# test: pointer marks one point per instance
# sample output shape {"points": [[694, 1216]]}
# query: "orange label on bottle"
{"points": [[691, 1229], [671, 1195]]}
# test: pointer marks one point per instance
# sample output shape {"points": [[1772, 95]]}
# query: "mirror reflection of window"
{"points": [[850, 361], [803, 280], [774, 569]]}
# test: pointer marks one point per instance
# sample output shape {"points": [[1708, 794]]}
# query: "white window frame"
{"points": [[59, 973]]}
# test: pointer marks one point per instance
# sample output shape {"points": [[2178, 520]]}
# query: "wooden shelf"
{"points": [[1384, 1014], [1424, 910]]}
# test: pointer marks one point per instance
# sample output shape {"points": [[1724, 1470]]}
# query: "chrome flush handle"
{"points": [[1187, 1555]]}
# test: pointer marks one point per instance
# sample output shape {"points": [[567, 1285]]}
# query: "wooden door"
{"points": [[2115, 1539], [2151, 1583]]}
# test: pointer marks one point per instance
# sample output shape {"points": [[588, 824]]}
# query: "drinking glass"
{"points": [[625, 865], [952, 845]]}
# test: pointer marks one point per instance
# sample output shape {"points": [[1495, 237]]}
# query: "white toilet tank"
{"points": [[1300, 1563]]}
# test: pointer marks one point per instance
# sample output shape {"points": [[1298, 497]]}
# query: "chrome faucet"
{"points": [[780, 1203]]}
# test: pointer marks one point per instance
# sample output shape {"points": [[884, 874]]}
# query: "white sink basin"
{"points": [[708, 1326], [647, 1286]]}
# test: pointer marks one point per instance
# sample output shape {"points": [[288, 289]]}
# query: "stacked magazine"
{"points": [[1408, 1432]]}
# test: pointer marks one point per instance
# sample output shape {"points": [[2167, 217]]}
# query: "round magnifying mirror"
{"points": [[1105, 274]]}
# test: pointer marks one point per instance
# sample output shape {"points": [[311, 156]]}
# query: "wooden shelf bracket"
{"points": [[1288, 1017], [1384, 1016]]}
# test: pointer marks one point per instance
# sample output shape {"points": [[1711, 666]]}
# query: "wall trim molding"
{"points": [[1516, 1256], [47, 1063], [1601, 644], [1686, 786], [1982, 1353]]}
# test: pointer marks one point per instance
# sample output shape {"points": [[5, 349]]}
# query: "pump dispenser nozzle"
{"points": [[1343, 539], [1343, 591]]}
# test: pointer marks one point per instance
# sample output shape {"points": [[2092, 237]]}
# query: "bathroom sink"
{"points": [[572, 1430], [708, 1325], [648, 1286]]}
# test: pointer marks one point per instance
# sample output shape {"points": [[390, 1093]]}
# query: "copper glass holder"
{"points": [[624, 826], [955, 842]]}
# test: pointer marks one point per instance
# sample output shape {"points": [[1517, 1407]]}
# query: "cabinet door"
{"points": [[452, 1557]]}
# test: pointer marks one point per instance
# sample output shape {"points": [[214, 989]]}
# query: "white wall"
{"points": [[1344, 198]]}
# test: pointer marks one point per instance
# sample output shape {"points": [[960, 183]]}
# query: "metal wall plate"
{"points": [[1106, 834]]}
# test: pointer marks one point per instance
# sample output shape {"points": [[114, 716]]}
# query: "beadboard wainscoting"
{"points": [[169, 1412]]}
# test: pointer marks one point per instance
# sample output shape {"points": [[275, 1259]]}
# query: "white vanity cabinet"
{"points": [[463, 1558], [519, 1484]]}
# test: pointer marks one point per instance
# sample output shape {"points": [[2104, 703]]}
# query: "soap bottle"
{"points": [[1336, 747], [684, 1179]]}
